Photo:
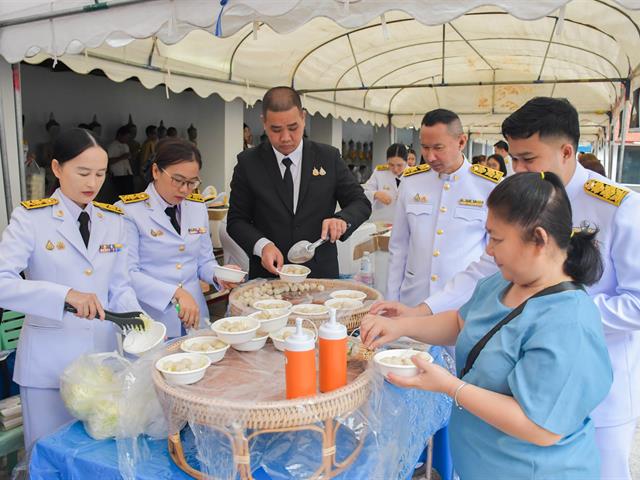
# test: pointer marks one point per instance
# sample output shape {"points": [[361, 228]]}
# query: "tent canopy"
{"points": [[352, 59]]}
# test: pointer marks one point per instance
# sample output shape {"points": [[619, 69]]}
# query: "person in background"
{"points": [[119, 162], [287, 190], [170, 247], [382, 188], [479, 159], [591, 162], [531, 358], [502, 148], [172, 132], [496, 162], [411, 157], [148, 150], [72, 251], [247, 137]]}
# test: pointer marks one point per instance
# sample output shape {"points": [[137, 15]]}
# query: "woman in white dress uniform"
{"points": [[171, 247], [71, 250], [382, 188]]}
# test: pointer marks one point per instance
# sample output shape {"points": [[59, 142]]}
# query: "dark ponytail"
{"points": [[533, 200]]}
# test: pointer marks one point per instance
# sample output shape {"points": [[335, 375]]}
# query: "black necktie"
{"points": [[397, 182], [288, 181], [172, 213], [84, 227]]}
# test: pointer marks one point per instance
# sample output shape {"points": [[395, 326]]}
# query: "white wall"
{"points": [[75, 98]]}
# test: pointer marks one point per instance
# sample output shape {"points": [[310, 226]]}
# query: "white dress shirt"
{"points": [[296, 167]]}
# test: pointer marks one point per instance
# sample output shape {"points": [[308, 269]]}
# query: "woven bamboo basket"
{"points": [[350, 319], [212, 409]]}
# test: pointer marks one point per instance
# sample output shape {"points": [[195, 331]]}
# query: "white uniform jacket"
{"points": [[161, 259], [438, 230], [45, 243], [384, 180]]}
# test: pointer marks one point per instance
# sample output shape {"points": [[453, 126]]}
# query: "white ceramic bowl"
{"points": [[184, 378], [278, 341], [310, 310], [271, 304], [229, 274], [254, 344], [272, 324], [350, 294], [214, 355], [294, 277], [233, 338], [343, 303], [136, 343], [400, 370]]}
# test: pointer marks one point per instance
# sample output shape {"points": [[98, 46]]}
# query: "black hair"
{"points": [[280, 99], [411, 150], [151, 130], [123, 130], [171, 151], [444, 116], [244, 125], [71, 143], [534, 200], [548, 117], [501, 144], [397, 150], [172, 132], [84, 126], [498, 158], [478, 159]]}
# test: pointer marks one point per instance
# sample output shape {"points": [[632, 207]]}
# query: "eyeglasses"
{"points": [[178, 182]]}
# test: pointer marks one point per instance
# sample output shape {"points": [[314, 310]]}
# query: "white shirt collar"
{"points": [[295, 156]]}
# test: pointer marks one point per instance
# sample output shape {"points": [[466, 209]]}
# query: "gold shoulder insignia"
{"points": [[425, 167], [43, 202], [381, 168], [108, 207], [134, 197], [195, 197], [486, 172], [609, 193]]}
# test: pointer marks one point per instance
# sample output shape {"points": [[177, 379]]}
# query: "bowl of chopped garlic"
{"points": [[294, 273], [398, 361], [183, 368], [208, 345], [235, 330]]}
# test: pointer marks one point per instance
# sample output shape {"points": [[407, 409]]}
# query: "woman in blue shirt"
{"points": [[522, 407]]}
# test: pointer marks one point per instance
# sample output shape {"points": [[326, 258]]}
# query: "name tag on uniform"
{"points": [[110, 247], [471, 203], [197, 230]]}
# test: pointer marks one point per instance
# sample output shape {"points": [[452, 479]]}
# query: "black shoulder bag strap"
{"points": [[477, 348]]}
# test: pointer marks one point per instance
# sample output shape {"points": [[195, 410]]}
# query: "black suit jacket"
{"points": [[257, 207]]}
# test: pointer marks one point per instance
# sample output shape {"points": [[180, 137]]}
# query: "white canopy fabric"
{"points": [[369, 60]]}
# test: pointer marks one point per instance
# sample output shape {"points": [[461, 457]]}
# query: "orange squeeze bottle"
{"points": [[333, 354], [300, 363]]}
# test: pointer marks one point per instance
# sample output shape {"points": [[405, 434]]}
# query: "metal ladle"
{"points": [[303, 251]]}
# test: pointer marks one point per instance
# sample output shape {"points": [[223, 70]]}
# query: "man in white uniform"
{"points": [[502, 148], [438, 227], [543, 136], [382, 188]]}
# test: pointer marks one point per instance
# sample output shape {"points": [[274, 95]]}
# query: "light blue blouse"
{"points": [[553, 360]]}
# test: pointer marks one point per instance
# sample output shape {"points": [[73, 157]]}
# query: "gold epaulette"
{"points": [[195, 197], [487, 173], [108, 207], [609, 193], [381, 168], [425, 167], [134, 197], [43, 202]]}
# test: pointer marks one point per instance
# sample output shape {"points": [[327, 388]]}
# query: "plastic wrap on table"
{"points": [[240, 422]]}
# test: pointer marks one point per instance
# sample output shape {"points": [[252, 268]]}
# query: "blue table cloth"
{"points": [[401, 420]]}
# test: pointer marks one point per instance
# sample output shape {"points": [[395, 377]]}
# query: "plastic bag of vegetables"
{"points": [[91, 388]]}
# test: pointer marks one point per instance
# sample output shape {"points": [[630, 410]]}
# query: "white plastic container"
{"points": [[234, 338], [214, 355], [187, 377], [274, 323], [400, 370]]}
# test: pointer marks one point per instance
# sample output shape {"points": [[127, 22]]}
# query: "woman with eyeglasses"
{"points": [[170, 248]]}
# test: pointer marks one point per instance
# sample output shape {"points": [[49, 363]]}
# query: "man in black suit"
{"points": [[286, 190]]}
